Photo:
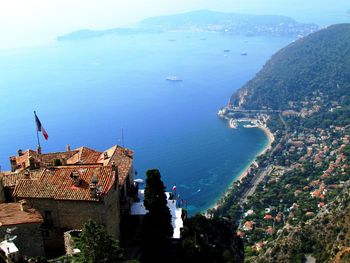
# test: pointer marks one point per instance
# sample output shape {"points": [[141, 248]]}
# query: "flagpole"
{"points": [[37, 132]]}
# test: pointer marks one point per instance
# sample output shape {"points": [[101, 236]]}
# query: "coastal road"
{"points": [[254, 183], [260, 175]]}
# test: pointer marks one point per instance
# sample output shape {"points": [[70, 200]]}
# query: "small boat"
{"points": [[138, 181], [173, 78], [232, 123], [244, 54], [227, 50]]}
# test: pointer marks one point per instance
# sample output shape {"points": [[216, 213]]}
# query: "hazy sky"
{"points": [[24, 22]]}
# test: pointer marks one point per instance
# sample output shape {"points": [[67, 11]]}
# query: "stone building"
{"points": [[67, 197], [25, 223], [31, 164], [69, 188]]}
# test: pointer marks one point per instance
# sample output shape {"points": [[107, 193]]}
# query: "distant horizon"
{"points": [[38, 22]]}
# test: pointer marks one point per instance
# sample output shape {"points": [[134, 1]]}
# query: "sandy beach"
{"points": [[245, 172]]}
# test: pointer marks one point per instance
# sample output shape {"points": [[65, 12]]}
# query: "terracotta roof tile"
{"points": [[11, 214], [50, 157], [57, 183], [121, 156], [84, 155], [11, 179]]}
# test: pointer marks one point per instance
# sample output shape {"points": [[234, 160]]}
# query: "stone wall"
{"points": [[64, 215]]}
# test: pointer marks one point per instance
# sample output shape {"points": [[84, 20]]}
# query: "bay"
{"points": [[86, 92]]}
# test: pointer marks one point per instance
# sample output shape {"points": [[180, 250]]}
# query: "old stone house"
{"points": [[69, 188], [67, 197], [31, 163]]}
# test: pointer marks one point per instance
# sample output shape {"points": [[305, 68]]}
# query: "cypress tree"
{"points": [[157, 223]]}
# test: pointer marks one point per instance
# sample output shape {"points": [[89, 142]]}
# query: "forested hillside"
{"points": [[315, 66]]}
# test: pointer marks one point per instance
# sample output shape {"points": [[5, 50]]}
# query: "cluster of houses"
{"points": [[46, 195], [321, 147]]}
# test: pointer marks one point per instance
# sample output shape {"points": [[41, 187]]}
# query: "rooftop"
{"points": [[12, 214], [60, 183], [121, 156], [10, 179]]}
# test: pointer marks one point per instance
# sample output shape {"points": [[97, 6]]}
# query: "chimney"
{"points": [[20, 152], [94, 179], [38, 149], [26, 174], [68, 148], [93, 192], [75, 176], [23, 205], [31, 163]]}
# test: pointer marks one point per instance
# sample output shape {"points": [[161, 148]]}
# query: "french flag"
{"points": [[40, 128]]}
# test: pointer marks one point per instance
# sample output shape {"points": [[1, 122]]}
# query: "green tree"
{"points": [[210, 240], [97, 246], [157, 228]]}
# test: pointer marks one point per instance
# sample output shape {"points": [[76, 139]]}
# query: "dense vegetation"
{"points": [[210, 240], [97, 246], [318, 63]]}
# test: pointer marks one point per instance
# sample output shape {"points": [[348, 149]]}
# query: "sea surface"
{"points": [[112, 90]]}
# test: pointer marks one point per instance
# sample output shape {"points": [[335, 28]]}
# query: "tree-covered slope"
{"points": [[326, 237], [318, 64]]}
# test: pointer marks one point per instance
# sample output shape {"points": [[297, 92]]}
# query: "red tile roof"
{"points": [[57, 183], [84, 155], [122, 157], [268, 217], [48, 158], [11, 214], [11, 179]]}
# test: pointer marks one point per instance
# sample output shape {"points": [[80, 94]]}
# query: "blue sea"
{"points": [[90, 92]]}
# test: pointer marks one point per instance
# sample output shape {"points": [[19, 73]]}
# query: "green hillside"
{"points": [[317, 65]]}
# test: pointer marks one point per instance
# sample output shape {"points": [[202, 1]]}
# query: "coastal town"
{"points": [[300, 172]]}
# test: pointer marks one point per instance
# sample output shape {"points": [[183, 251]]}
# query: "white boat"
{"points": [[232, 124], [138, 181], [173, 78]]}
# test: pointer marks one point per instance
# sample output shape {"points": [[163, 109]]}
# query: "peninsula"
{"points": [[208, 21]]}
